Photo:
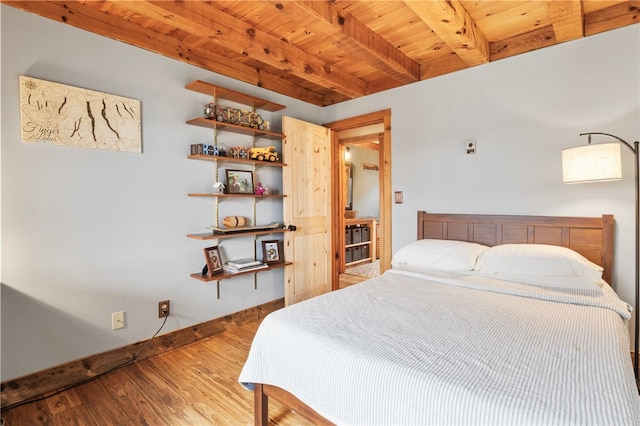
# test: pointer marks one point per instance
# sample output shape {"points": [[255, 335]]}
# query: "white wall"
{"points": [[85, 232], [522, 111]]}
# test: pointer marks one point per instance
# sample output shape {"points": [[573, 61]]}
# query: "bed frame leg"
{"points": [[260, 406]]}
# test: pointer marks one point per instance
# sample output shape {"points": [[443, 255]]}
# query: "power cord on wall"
{"points": [[97, 376]]}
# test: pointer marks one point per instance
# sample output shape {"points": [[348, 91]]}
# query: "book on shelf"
{"points": [[234, 270], [242, 263]]}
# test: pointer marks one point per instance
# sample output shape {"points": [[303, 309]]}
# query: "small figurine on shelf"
{"points": [[263, 154], [197, 149], [214, 150], [218, 188], [209, 149], [260, 190]]}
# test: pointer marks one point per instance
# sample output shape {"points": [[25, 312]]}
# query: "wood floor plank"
{"points": [[192, 416], [98, 404], [36, 413], [214, 382], [196, 384], [144, 402], [62, 403]]}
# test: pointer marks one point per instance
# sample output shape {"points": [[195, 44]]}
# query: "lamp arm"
{"points": [[627, 144]]}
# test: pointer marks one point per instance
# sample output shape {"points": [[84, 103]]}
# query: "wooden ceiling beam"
{"points": [[537, 39], [205, 20], [281, 85], [442, 66], [231, 37], [567, 19], [378, 51], [453, 24], [107, 25], [616, 16]]}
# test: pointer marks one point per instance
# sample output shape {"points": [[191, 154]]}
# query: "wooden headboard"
{"points": [[592, 237]]}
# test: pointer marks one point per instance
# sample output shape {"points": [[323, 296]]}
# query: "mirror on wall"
{"points": [[348, 196]]}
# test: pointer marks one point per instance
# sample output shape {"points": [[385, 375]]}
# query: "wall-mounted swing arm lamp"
{"points": [[597, 163]]}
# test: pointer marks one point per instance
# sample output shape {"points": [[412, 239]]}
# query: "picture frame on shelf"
{"points": [[239, 181], [272, 251], [214, 261]]}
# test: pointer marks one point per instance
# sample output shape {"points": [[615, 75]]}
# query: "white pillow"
{"points": [[557, 282], [537, 260], [446, 255]]}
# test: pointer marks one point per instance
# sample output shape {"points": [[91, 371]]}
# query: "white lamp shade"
{"points": [[591, 163]]}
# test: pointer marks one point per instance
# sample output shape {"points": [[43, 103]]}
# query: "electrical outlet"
{"points": [[164, 309], [117, 320]]}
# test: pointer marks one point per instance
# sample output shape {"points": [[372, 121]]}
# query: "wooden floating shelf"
{"points": [[238, 195], [224, 276], [212, 236], [211, 123], [364, 243], [220, 159], [366, 260], [221, 96], [233, 96]]}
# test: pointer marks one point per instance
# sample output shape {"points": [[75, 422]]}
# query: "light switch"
{"points": [[398, 195], [471, 146]]}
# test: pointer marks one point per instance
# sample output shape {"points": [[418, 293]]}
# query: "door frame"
{"points": [[384, 152]]}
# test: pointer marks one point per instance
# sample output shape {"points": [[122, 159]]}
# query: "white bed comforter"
{"points": [[406, 349]]}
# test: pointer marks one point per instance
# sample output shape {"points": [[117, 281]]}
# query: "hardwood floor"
{"points": [[345, 280], [193, 385]]}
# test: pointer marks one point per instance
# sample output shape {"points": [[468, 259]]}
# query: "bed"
{"points": [[485, 319]]}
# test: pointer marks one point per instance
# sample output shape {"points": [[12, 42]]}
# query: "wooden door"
{"points": [[307, 207]]}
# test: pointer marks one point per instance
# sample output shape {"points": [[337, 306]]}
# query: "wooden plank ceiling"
{"points": [[324, 52]]}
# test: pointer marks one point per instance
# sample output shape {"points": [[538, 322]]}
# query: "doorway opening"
{"points": [[362, 205], [362, 213]]}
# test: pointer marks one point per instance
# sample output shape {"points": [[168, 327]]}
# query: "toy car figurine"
{"points": [[235, 116], [263, 154]]}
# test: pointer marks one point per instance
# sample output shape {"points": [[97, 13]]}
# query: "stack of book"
{"points": [[243, 265]]}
